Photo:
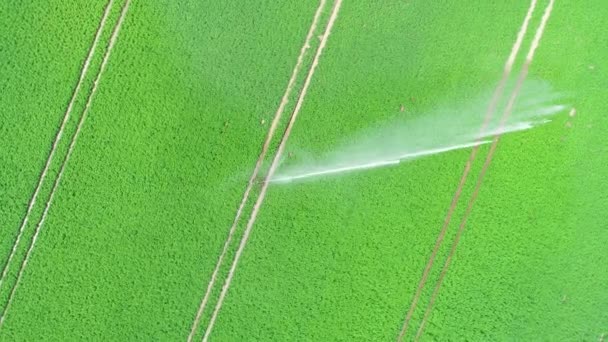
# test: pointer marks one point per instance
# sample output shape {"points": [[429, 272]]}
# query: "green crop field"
{"points": [[141, 143]]}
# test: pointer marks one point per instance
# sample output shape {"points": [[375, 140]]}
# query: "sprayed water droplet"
{"points": [[443, 129]]}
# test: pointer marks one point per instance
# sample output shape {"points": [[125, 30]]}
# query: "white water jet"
{"points": [[440, 131], [377, 163]]}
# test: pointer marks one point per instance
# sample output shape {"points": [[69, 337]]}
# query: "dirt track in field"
{"points": [[488, 116], [258, 165], [522, 77], [83, 117], [58, 136], [273, 167]]}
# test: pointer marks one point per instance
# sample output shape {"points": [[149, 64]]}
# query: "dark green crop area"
{"points": [[176, 126]]}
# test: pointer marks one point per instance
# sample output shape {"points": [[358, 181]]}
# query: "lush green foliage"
{"points": [[42, 48], [159, 168], [175, 129]]}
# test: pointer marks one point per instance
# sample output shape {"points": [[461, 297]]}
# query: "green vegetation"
{"points": [[43, 47], [340, 258], [176, 127], [149, 194]]}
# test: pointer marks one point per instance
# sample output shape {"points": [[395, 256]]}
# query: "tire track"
{"points": [[58, 136], [489, 114], [522, 77], [273, 167], [256, 170], [83, 117]]}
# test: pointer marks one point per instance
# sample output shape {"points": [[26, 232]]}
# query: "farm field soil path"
{"points": [[66, 117], [498, 93], [72, 144], [532, 241], [507, 112], [35, 109], [258, 165], [273, 167]]}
